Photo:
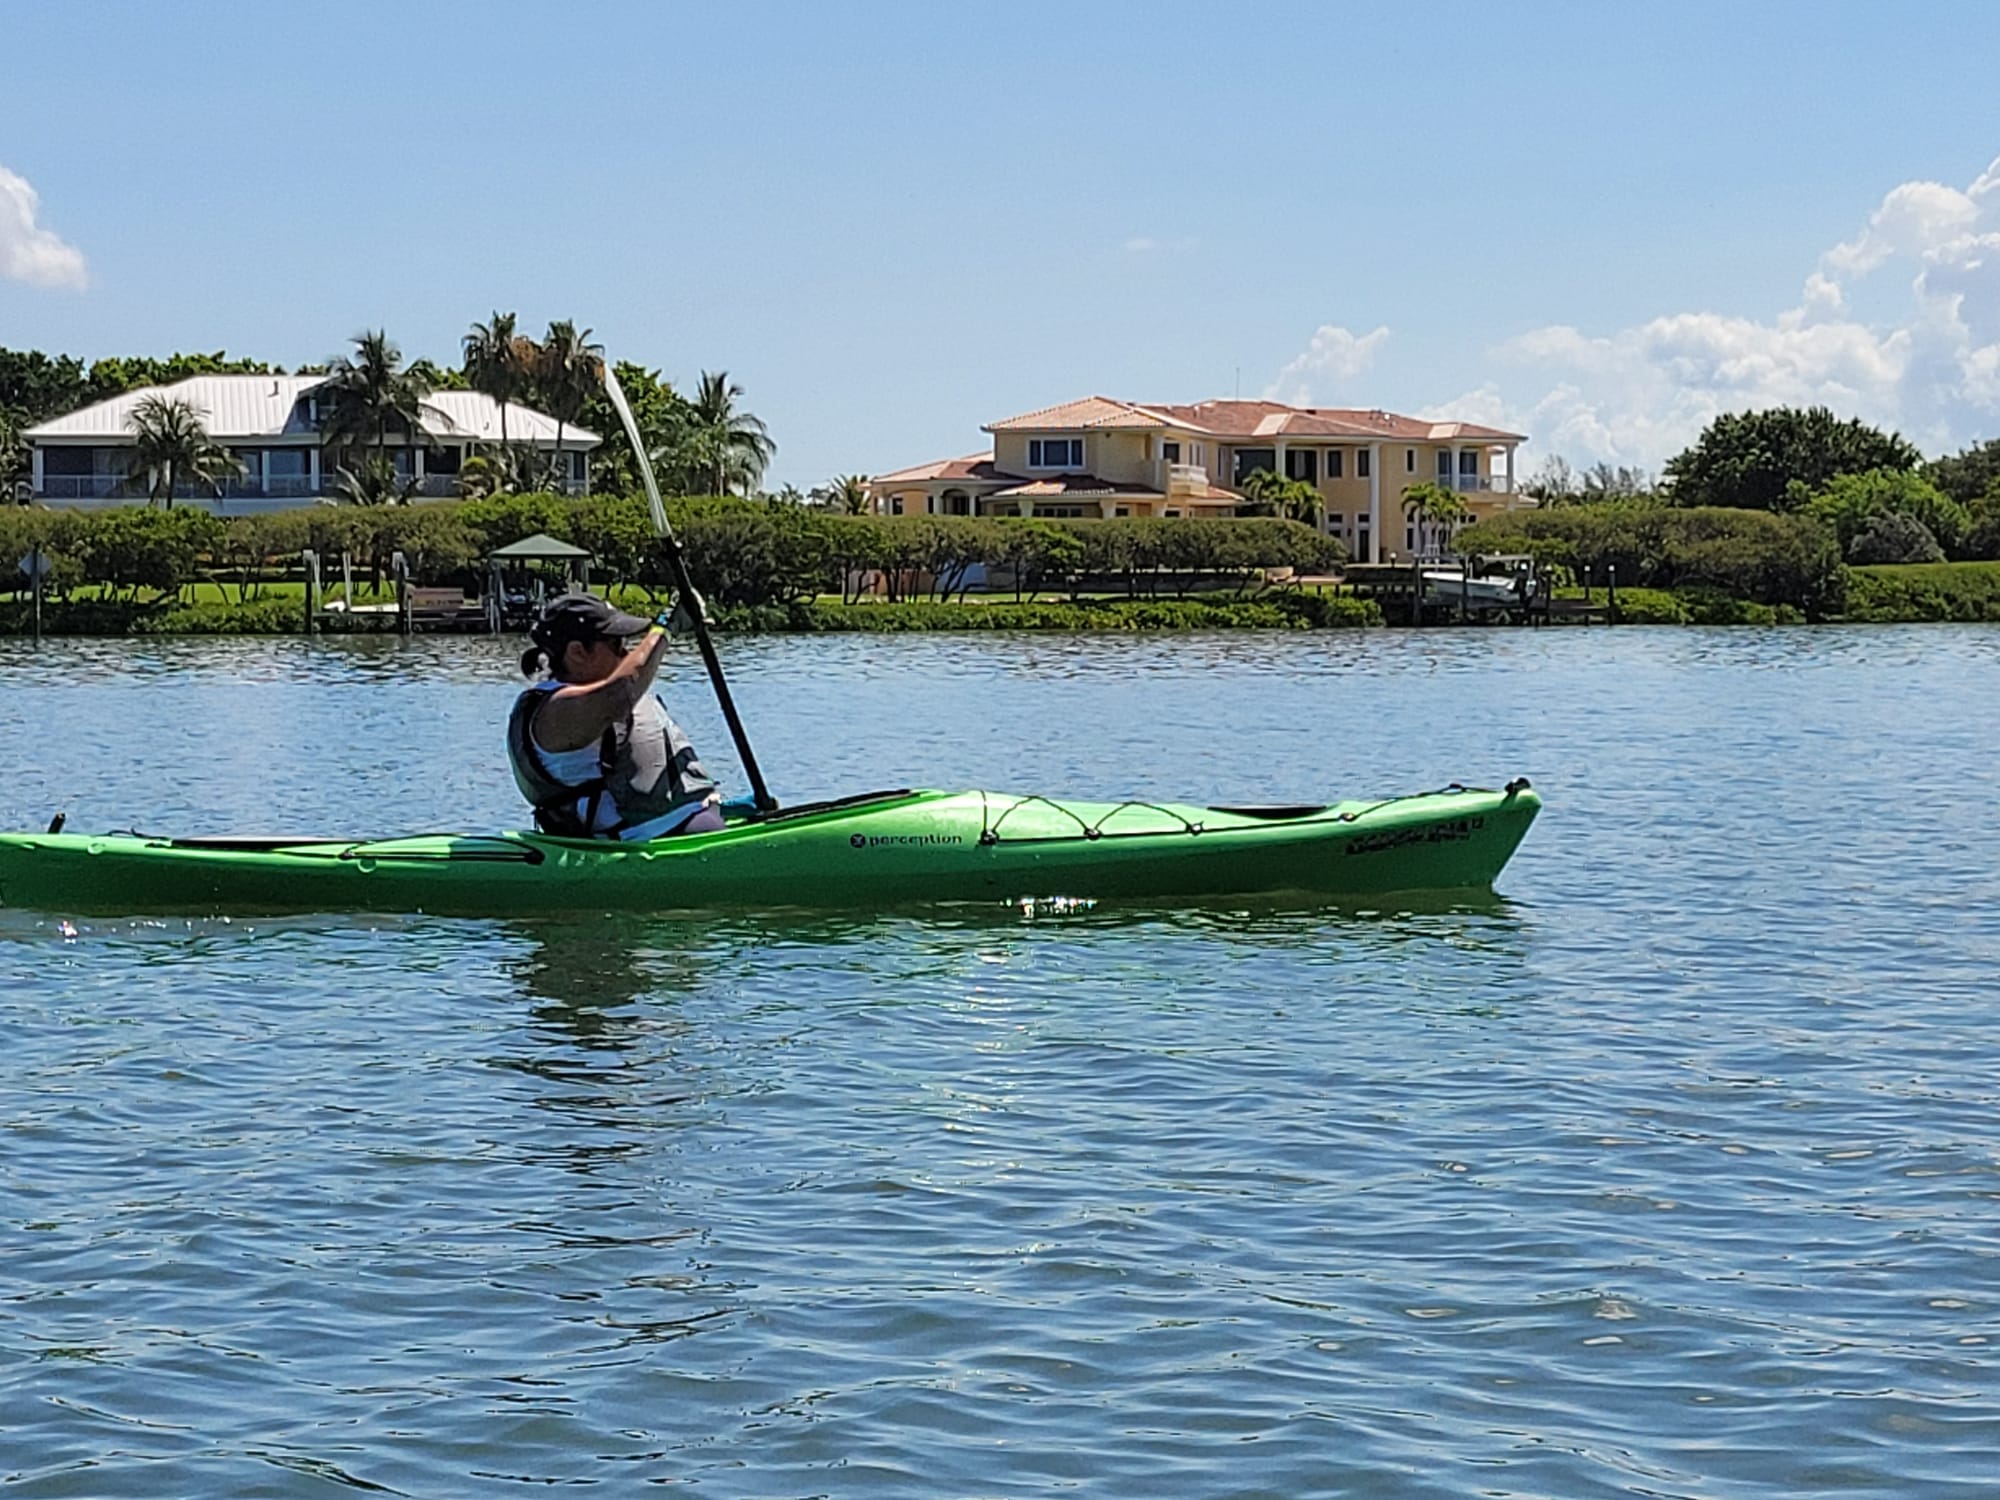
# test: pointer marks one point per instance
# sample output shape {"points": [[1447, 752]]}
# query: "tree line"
{"points": [[1873, 491], [748, 553]]}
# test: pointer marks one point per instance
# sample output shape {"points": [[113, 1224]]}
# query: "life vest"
{"points": [[646, 766]]}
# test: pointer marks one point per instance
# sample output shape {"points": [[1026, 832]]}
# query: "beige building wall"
{"points": [[1010, 452]]}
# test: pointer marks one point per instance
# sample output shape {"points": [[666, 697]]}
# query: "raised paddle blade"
{"points": [[631, 423]]}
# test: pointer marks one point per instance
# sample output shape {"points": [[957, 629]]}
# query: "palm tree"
{"points": [[372, 481], [729, 447], [370, 390], [502, 471], [1260, 486], [570, 369], [173, 444], [1302, 502], [1434, 509], [498, 362], [1290, 499], [846, 494]]}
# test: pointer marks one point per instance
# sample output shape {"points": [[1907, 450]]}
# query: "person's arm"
{"points": [[577, 714]]}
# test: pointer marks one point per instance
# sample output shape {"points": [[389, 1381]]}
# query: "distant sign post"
{"points": [[36, 567]]}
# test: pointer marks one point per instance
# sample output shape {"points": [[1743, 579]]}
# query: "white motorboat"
{"points": [[1449, 586]]}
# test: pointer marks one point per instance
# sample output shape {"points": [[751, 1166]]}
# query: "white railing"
{"points": [[120, 487], [81, 486], [1474, 484], [1187, 476]]}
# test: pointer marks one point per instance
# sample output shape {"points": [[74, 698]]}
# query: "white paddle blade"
{"points": [[624, 409]]}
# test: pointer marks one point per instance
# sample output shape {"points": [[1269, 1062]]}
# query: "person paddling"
{"points": [[592, 747]]}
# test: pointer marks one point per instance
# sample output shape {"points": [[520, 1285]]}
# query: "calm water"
{"points": [[1675, 1171]]}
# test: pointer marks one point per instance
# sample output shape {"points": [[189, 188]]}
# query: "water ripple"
{"points": [[1671, 1172]]}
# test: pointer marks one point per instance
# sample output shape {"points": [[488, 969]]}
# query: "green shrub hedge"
{"points": [[742, 552], [1698, 607], [1967, 591], [1279, 612], [1791, 560]]}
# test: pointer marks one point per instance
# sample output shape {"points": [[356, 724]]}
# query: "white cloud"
{"points": [[29, 252], [1335, 354], [1913, 218], [1641, 394], [1141, 244]]}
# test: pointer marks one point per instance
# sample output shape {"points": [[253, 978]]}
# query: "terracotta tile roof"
{"points": [[1078, 484], [1070, 416], [1235, 419], [972, 467], [1440, 431]]}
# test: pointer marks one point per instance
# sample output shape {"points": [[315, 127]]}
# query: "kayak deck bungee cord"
{"points": [[884, 848]]}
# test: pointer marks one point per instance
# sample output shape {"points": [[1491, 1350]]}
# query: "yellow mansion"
{"points": [[1105, 458]]}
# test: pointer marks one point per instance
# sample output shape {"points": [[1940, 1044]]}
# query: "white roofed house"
{"points": [[273, 425]]}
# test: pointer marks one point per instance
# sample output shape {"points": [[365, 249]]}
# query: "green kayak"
{"points": [[887, 848]]}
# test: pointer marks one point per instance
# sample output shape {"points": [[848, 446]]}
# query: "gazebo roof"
{"points": [[541, 547]]}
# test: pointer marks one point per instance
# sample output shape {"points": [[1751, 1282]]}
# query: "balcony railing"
{"points": [[1474, 484], [119, 487], [82, 486], [274, 487], [1187, 477]]}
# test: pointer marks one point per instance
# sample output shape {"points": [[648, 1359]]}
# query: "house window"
{"points": [[1055, 453], [1410, 538], [1333, 463], [1444, 464], [1195, 453], [1174, 514], [896, 506], [1364, 458], [1468, 461], [1171, 451], [1060, 512], [1336, 521], [1409, 460], [1250, 460], [1121, 511], [1302, 463]]}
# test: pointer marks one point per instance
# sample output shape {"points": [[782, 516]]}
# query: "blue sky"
{"points": [[1595, 223]]}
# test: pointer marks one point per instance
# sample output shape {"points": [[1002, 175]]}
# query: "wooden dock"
{"points": [[1408, 598]]}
